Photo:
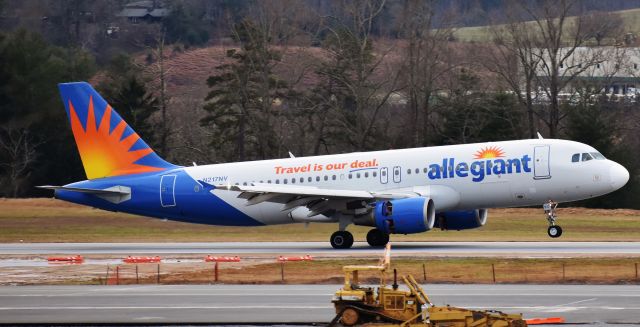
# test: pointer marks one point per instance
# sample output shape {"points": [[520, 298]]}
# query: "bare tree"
{"points": [[18, 149], [514, 57], [602, 25], [557, 36], [161, 71], [427, 60], [354, 70]]}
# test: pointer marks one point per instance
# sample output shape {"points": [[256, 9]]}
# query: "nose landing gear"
{"points": [[554, 231]]}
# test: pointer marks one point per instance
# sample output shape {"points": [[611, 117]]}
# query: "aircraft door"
{"points": [[167, 189], [541, 162], [397, 174], [384, 175]]}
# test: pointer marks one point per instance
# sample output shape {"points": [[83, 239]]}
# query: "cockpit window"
{"points": [[597, 156], [586, 157], [575, 157]]}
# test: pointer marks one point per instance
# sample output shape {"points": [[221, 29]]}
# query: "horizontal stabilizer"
{"points": [[117, 190], [114, 194]]}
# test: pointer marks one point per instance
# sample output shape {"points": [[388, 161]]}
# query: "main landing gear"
{"points": [[341, 239], [377, 238], [554, 231], [344, 239]]}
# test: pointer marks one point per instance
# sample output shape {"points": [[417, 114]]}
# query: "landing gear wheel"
{"points": [[377, 238], [349, 317], [554, 231], [341, 240]]}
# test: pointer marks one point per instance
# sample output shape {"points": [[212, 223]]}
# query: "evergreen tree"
{"points": [[240, 104], [31, 110], [596, 124], [136, 106], [182, 25]]}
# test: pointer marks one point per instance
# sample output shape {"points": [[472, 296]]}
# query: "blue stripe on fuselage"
{"points": [[194, 204]]}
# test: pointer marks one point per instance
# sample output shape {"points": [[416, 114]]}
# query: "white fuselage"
{"points": [[506, 174]]}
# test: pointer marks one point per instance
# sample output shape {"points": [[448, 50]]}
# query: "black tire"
{"points": [[554, 231], [377, 238], [341, 240]]}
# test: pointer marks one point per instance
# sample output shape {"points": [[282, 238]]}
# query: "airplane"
{"points": [[400, 191]]}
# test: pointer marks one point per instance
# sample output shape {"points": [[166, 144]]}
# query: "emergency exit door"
{"points": [[541, 162], [167, 189]]}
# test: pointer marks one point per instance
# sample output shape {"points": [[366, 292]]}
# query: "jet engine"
{"points": [[405, 216], [459, 220]]}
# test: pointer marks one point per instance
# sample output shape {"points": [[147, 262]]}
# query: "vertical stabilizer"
{"points": [[108, 146]]}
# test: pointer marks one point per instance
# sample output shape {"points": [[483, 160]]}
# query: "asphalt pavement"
{"points": [[515, 249], [301, 304]]}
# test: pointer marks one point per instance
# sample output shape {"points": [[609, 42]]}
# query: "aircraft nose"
{"points": [[619, 175]]}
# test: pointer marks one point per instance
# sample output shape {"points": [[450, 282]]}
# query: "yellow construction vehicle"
{"points": [[390, 306]]}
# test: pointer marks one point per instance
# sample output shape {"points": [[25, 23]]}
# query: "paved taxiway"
{"points": [[295, 303], [536, 249]]}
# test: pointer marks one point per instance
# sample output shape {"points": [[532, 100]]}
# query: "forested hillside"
{"points": [[220, 81]]}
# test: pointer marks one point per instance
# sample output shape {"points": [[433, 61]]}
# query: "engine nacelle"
{"points": [[459, 220], [405, 216]]}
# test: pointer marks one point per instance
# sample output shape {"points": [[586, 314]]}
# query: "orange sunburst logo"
{"points": [[489, 152], [104, 153]]}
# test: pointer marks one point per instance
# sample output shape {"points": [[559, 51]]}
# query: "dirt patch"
{"points": [[263, 270]]}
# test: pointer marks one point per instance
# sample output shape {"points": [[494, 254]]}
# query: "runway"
{"points": [[303, 304], [515, 249]]}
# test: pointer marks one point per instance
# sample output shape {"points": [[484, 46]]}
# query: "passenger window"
{"points": [[425, 170], [417, 170], [269, 182], [284, 181], [333, 177], [309, 179], [586, 157], [301, 179], [277, 181], [366, 174], [326, 178], [350, 176], [358, 175], [317, 178], [409, 171], [375, 174], [293, 181], [575, 157]]}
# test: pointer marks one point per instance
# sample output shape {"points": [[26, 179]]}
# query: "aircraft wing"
{"points": [[318, 200]]}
